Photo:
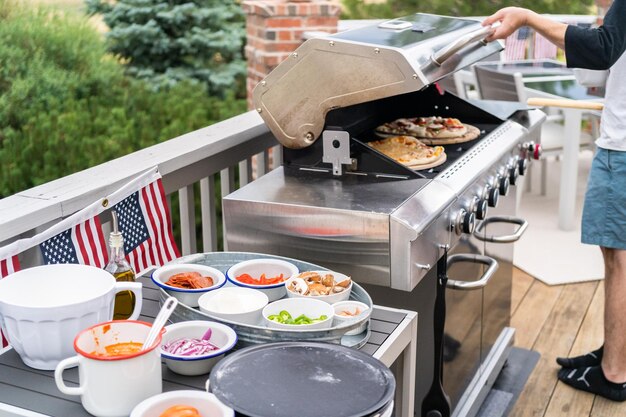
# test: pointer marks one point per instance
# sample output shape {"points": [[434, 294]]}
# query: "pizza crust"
{"points": [[442, 158], [408, 150]]}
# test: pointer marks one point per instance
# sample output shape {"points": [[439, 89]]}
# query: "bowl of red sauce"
{"points": [[266, 275], [187, 282]]}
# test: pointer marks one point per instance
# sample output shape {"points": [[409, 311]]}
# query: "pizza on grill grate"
{"points": [[434, 127], [409, 151]]}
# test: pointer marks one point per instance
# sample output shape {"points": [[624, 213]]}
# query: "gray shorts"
{"points": [[604, 212]]}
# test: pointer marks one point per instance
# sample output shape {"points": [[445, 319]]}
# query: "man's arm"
{"points": [[513, 18], [598, 48], [584, 48]]}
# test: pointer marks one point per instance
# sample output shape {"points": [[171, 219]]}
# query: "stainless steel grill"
{"points": [[403, 234]]}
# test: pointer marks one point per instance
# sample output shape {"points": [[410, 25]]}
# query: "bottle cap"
{"points": [[116, 240]]}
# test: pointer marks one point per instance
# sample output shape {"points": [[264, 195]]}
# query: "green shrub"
{"points": [[65, 105]]}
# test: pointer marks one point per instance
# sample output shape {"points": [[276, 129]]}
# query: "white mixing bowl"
{"points": [[43, 308]]}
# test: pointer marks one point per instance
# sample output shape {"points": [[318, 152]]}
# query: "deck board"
{"points": [[555, 338], [558, 320], [533, 311]]}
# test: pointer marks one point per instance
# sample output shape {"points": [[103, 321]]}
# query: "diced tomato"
{"points": [[262, 280]]}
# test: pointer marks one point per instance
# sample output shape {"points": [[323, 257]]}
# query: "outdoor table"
{"points": [[547, 78], [569, 89], [29, 392]]}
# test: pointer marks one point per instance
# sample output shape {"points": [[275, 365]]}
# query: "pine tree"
{"points": [[167, 41]]}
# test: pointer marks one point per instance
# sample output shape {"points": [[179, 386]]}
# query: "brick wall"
{"points": [[275, 28]]}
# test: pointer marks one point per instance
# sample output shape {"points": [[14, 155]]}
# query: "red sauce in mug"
{"points": [[120, 349]]}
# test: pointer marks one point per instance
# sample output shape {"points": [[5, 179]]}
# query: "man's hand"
{"points": [[510, 18]]}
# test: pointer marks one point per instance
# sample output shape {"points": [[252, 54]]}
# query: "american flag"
{"points": [[516, 44], [81, 244], [543, 48], [7, 266], [144, 221]]}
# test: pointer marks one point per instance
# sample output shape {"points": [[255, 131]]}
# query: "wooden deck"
{"points": [[556, 321]]}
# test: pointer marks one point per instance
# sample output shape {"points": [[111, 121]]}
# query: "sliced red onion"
{"points": [[207, 335], [189, 347]]}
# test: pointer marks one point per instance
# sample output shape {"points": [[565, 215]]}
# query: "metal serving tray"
{"points": [[251, 335]]}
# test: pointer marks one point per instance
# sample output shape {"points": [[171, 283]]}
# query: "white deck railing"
{"points": [[199, 157]]}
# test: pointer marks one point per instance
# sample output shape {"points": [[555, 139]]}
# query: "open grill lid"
{"points": [[382, 60]]}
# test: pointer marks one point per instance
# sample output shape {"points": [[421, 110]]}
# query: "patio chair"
{"points": [[496, 85]]}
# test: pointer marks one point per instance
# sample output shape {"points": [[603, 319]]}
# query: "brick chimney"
{"points": [[275, 29]]}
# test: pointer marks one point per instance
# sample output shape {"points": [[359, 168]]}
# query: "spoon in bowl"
{"points": [[166, 310]]}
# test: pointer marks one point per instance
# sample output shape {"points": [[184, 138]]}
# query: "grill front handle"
{"points": [[523, 225], [492, 267], [442, 55]]}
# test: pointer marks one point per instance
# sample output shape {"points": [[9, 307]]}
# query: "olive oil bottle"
{"points": [[119, 267]]}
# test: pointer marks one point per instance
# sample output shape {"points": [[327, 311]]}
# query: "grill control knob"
{"points": [[481, 209], [465, 222], [513, 174], [522, 166], [493, 197], [503, 186], [531, 150]]}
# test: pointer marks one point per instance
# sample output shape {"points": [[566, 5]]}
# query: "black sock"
{"points": [[593, 358], [592, 379]]}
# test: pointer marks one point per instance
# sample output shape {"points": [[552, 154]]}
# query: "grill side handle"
{"points": [[492, 267]]}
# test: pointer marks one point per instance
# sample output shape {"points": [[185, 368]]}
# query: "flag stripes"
{"points": [[7, 266]]}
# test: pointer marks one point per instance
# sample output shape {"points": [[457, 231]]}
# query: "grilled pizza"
{"points": [[409, 151], [424, 127]]}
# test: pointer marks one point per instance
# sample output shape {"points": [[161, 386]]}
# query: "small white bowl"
{"points": [[330, 299], [223, 337], [189, 297], [234, 304], [206, 404], [310, 307], [270, 267], [350, 306]]}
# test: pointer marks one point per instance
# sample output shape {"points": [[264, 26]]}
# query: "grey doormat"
{"points": [[509, 384]]}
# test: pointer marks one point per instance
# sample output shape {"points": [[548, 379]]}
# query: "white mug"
{"points": [[113, 386]]}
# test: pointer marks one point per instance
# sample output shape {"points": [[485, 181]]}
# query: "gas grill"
{"points": [[433, 241]]}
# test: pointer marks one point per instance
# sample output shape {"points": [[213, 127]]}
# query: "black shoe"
{"points": [[592, 379], [589, 359]]}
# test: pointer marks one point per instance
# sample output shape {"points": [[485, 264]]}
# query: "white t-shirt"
{"points": [[613, 122]]}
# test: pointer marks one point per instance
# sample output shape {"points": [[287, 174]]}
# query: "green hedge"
{"points": [[65, 105]]}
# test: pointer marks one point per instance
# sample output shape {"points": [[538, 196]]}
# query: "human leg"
{"points": [[607, 379], [614, 358]]}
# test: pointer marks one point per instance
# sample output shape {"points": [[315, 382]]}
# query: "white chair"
{"points": [[496, 85]]}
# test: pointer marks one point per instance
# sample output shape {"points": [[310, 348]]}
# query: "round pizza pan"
{"points": [[304, 379]]}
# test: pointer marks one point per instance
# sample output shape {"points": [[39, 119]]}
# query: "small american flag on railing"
{"points": [[516, 44], [7, 266], [144, 221], [82, 243], [543, 48]]}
